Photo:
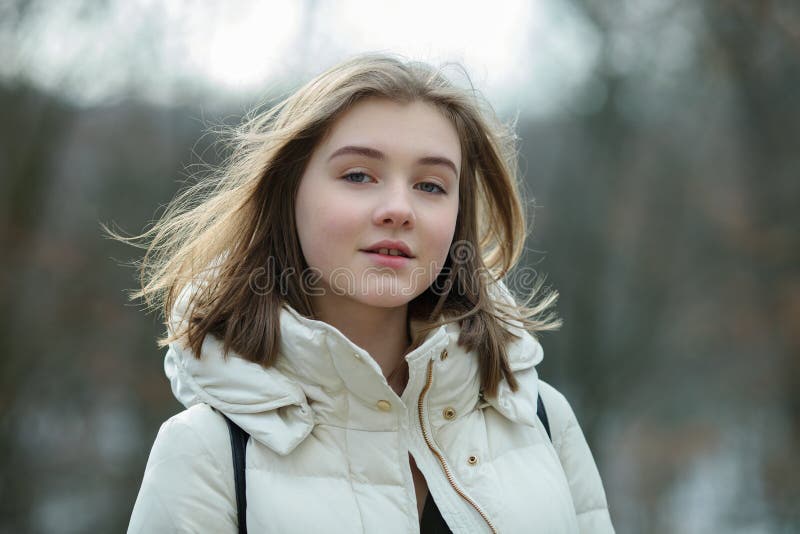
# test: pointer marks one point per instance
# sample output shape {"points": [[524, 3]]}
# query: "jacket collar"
{"points": [[317, 360]]}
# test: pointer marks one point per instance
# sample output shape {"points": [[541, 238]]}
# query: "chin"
{"points": [[387, 295], [384, 301]]}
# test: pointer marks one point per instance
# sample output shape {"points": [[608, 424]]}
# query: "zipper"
{"points": [[445, 467]]}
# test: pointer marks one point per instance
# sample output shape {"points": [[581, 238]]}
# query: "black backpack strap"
{"points": [[542, 413], [238, 446]]}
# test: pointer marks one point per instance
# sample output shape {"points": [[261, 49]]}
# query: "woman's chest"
{"points": [[485, 474]]}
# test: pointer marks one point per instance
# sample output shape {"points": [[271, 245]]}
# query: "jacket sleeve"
{"points": [[185, 488], [576, 458]]}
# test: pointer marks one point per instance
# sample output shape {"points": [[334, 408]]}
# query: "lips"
{"points": [[390, 248]]}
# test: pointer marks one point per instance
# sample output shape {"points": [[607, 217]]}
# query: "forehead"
{"points": [[416, 128]]}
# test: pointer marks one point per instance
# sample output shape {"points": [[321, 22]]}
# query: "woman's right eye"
{"points": [[357, 177]]}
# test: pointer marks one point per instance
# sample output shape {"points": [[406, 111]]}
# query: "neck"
{"points": [[382, 332]]}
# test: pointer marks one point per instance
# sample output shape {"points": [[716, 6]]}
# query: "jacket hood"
{"points": [[274, 404]]}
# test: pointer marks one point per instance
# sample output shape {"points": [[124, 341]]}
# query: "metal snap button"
{"points": [[384, 405], [472, 460], [449, 413]]}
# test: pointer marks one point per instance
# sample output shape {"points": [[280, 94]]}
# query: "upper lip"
{"points": [[399, 245]]}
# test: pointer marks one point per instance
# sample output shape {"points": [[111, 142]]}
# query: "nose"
{"points": [[394, 210]]}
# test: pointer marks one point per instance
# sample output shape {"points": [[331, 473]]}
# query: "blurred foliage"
{"points": [[667, 217]]}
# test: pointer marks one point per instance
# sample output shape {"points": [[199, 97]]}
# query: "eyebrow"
{"points": [[377, 154]]}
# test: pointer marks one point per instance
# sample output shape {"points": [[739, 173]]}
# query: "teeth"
{"points": [[390, 252]]}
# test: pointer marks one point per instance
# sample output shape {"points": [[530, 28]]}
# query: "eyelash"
{"points": [[439, 189]]}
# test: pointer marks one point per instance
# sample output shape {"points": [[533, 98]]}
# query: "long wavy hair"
{"points": [[239, 222]]}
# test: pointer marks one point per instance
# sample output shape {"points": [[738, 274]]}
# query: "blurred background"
{"points": [[658, 138]]}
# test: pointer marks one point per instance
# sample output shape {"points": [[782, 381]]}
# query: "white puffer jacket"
{"points": [[330, 443]]}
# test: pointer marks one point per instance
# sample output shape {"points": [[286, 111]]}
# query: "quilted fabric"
{"points": [[331, 442]]}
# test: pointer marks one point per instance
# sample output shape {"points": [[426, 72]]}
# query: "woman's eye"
{"points": [[430, 187], [357, 177]]}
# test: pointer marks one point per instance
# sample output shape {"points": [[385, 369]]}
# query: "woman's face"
{"points": [[377, 204]]}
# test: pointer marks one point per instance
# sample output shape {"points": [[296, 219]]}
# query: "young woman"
{"points": [[336, 294]]}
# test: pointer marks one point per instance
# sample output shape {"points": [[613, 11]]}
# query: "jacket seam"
{"points": [[343, 427], [168, 511], [180, 455], [207, 452], [563, 432], [207, 449], [594, 509], [349, 468]]}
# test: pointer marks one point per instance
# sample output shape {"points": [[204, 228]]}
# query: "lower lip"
{"points": [[387, 260]]}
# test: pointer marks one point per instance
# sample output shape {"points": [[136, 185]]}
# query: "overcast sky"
{"points": [[526, 56]]}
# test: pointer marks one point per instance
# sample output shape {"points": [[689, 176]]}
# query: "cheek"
{"points": [[441, 235], [326, 230], [310, 222]]}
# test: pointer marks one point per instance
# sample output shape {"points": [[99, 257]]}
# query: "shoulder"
{"points": [[577, 461], [201, 420], [198, 432], [559, 411], [188, 482]]}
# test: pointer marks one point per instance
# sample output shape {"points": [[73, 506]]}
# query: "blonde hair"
{"points": [[240, 219]]}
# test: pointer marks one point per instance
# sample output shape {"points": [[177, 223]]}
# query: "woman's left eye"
{"points": [[357, 177], [430, 187]]}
